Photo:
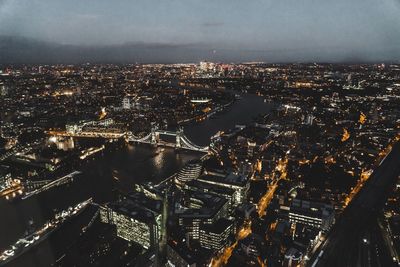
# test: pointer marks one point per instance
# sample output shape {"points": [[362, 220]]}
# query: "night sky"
{"points": [[276, 30]]}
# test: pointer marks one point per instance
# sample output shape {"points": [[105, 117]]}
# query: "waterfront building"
{"points": [[192, 170], [5, 178], [63, 143], [73, 128], [137, 219]]}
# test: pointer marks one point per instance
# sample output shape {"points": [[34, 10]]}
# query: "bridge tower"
{"points": [[155, 136], [179, 134]]}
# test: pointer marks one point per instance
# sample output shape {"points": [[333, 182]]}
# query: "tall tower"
{"points": [[163, 238], [154, 135], [179, 134], [126, 103]]}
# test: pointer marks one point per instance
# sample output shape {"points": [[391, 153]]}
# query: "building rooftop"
{"points": [[183, 252], [217, 227], [206, 187], [211, 204], [4, 170], [139, 207], [229, 179], [312, 209]]}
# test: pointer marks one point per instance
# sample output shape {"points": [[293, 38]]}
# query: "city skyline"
{"points": [[173, 32], [205, 164], [186, 133]]}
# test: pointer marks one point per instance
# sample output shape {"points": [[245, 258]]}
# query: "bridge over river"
{"points": [[153, 138]]}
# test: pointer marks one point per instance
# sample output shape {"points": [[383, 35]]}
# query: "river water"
{"points": [[120, 168]]}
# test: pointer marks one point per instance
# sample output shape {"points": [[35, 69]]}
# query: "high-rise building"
{"points": [[204, 65], [126, 103], [217, 235], [239, 183], [3, 90], [137, 219], [198, 186], [202, 208], [309, 119], [251, 148], [314, 214]]}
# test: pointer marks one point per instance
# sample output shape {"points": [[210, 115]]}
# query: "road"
{"points": [[354, 239]]}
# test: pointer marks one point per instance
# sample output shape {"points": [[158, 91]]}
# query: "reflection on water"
{"points": [[143, 163], [241, 112], [130, 164], [120, 169]]}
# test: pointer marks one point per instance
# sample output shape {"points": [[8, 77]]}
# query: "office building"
{"points": [[314, 214], [192, 170], [201, 208], [5, 177], [216, 236], [137, 219], [198, 186], [179, 255], [126, 103], [239, 183]]}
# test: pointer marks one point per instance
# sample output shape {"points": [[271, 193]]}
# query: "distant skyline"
{"points": [[190, 30]]}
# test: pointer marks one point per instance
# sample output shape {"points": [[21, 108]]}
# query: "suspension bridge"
{"points": [[153, 138]]}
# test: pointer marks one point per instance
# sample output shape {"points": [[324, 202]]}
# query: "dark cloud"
{"points": [[212, 24], [18, 50], [271, 30]]}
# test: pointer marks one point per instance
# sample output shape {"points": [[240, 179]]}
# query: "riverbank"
{"points": [[120, 169], [200, 118]]}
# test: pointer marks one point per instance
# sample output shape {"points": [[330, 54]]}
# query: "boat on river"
{"points": [[32, 239]]}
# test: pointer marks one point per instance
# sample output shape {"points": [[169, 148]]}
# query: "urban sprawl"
{"points": [[312, 182]]}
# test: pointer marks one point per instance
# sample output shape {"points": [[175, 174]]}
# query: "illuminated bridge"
{"points": [[60, 181], [181, 141], [91, 129], [88, 134], [105, 129]]}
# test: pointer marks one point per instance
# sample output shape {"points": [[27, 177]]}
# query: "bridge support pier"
{"points": [[155, 137], [178, 144]]}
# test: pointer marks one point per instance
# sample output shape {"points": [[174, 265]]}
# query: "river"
{"points": [[120, 168]]}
